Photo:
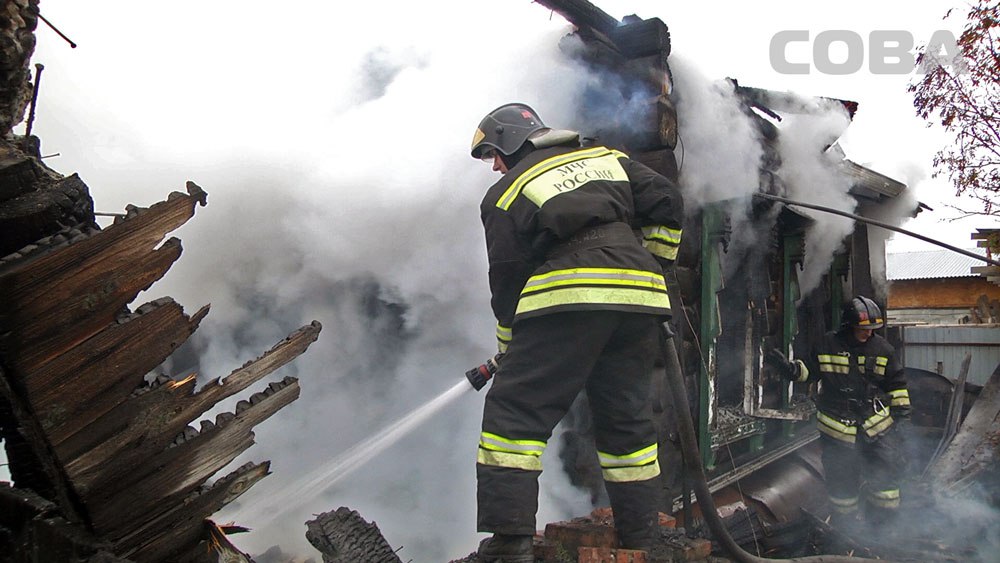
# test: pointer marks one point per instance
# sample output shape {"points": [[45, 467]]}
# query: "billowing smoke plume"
{"points": [[809, 169], [720, 151]]}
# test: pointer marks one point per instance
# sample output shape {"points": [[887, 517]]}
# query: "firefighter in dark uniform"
{"points": [[862, 393], [577, 241]]}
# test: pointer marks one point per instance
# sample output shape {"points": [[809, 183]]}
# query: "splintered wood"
{"points": [[119, 453]]}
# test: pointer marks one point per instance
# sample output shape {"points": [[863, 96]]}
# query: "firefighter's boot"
{"points": [[504, 548]]}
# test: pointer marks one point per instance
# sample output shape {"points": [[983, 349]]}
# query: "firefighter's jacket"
{"points": [[862, 385], [559, 235]]}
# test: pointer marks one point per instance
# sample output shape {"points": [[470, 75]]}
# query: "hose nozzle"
{"points": [[478, 376]]}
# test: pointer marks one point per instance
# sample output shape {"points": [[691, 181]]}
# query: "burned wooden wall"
{"points": [[101, 447]]}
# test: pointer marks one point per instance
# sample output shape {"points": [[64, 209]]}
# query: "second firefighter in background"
{"points": [[862, 395], [579, 300]]}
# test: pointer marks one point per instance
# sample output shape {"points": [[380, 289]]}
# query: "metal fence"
{"points": [[941, 349]]}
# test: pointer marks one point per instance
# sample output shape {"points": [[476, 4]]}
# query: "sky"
{"points": [[333, 144]]}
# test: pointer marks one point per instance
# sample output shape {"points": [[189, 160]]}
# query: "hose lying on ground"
{"points": [[692, 461]]}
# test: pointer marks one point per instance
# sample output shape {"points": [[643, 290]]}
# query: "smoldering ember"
{"points": [[113, 455]]}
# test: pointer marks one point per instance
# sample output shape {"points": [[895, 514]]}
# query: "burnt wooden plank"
{"points": [[33, 288], [975, 448], [582, 14], [123, 496], [641, 38], [95, 376], [180, 527], [37, 343], [145, 424]]}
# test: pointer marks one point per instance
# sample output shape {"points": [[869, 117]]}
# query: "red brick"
{"points": [[581, 532], [608, 555], [603, 515], [667, 521]]}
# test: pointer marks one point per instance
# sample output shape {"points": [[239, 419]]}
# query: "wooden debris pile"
{"points": [[104, 459]]}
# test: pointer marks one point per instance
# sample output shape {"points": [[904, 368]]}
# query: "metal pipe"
{"points": [[34, 99], [877, 224], [55, 29]]}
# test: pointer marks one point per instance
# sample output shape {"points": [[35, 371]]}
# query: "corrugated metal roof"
{"points": [[930, 264]]}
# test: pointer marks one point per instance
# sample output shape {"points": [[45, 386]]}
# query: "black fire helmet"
{"points": [[505, 129], [862, 312]]}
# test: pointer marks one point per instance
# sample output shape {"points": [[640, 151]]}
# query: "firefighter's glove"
{"points": [[777, 360]]}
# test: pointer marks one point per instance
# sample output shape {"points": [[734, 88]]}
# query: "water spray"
{"points": [[319, 481]]}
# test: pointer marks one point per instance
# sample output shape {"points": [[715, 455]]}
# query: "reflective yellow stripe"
{"points": [[900, 397], [593, 295], [544, 166], [499, 443], [662, 250], [832, 359], [880, 363], [504, 334], [834, 364], [888, 498], [640, 457], [594, 276], [504, 459], [629, 474], [835, 428], [878, 422], [803, 371], [844, 505], [661, 241]]}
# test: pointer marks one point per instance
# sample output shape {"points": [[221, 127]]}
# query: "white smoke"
{"points": [[810, 173], [719, 150], [340, 189]]}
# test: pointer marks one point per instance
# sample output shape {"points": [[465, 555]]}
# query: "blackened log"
{"points": [[641, 38], [582, 14], [120, 496], [116, 359], [145, 424], [173, 531], [343, 536], [862, 282], [32, 288], [41, 210], [51, 480]]}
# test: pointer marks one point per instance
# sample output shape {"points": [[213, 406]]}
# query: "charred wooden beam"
{"points": [[119, 497], [117, 359], [145, 424], [582, 14], [181, 527], [39, 206], [641, 38], [33, 287]]}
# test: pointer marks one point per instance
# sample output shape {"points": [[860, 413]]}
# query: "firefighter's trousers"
{"points": [[878, 462], [551, 359]]}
